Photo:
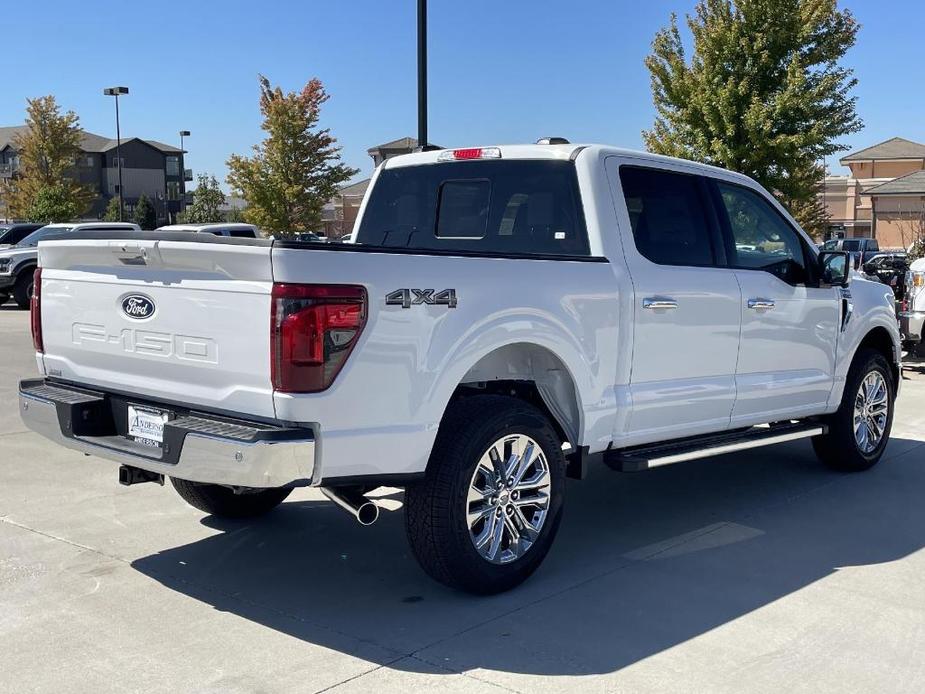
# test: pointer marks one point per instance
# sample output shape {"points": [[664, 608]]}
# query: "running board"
{"points": [[649, 456]]}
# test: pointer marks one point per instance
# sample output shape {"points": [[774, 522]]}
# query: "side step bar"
{"points": [[649, 456]]}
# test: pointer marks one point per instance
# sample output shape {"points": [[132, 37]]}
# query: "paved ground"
{"points": [[749, 573]]}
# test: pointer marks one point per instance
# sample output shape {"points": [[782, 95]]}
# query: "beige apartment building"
{"points": [[883, 197]]}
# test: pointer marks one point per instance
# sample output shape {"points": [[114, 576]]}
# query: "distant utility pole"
{"points": [[422, 74]]}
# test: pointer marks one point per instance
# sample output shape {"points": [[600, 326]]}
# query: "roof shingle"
{"points": [[910, 184], [894, 148]]}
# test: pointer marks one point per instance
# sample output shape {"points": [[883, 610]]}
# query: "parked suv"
{"points": [[503, 318], [14, 232], [18, 262]]}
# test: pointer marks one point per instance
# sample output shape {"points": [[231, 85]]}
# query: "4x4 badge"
{"points": [[406, 298]]}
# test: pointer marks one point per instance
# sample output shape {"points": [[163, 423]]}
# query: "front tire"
{"points": [[225, 503], [22, 290], [860, 428], [489, 507]]}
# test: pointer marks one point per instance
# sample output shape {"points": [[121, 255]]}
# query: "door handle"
{"points": [[657, 302], [759, 304]]}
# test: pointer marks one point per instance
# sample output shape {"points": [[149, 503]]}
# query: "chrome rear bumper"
{"points": [[197, 447]]}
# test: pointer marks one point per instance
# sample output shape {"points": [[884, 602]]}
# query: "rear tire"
{"points": [[223, 502], [512, 532], [843, 448], [22, 290]]}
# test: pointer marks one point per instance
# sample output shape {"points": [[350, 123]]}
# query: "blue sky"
{"points": [[500, 72]]}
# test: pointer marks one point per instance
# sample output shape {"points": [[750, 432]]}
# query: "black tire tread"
{"points": [[21, 289], [428, 513], [223, 502], [837, 448]]}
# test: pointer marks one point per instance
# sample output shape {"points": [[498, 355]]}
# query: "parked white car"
{"points": [[502, 318], [234, 229], [18, 262]]}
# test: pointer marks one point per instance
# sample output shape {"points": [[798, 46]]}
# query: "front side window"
{"points": [[499, 206], [762, 238], [668, 216]]}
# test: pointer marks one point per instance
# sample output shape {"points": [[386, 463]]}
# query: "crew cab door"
{"points": [[790, 325], [686, 306]]}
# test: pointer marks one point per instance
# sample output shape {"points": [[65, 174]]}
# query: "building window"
{"points": [[173, 190], [115, 161], [173, 166]]}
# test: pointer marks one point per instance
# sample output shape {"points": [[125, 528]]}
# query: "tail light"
{"points": [[313, 329], [35, 307]]}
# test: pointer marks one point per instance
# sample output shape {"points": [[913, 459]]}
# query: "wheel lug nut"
{"points": [[498, 512], [510, 510]]}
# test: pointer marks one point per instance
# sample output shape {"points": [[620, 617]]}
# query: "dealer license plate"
{"points": [[146, 426]]}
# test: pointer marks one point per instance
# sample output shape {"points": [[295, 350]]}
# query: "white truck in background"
{"points": [[502, 318], [912, 312]]}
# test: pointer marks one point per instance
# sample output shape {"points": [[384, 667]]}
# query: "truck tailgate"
{"points": [[171, 320]]}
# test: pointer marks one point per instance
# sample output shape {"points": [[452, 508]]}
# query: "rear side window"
{"points": [[242, 233], [668, 216], [499, 206]]}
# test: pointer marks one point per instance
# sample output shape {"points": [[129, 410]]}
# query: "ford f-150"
{"points": [[501, 318]]}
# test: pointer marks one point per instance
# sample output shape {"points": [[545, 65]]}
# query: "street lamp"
{"points": [[183, 133], [422, 74], [116, 91]]}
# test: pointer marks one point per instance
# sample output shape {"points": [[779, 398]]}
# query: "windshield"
{"points": [[39, 234], [499, 206]]}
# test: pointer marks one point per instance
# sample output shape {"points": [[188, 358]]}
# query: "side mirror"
{"points": [[834, 268]]}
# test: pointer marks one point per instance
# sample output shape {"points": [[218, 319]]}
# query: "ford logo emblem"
{"points": [[137, 306]]}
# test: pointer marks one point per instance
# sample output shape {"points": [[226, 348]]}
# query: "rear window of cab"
{"points": [[496, 206]]}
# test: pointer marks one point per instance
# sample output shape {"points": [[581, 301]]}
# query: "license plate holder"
{"points": [[146, 425]]}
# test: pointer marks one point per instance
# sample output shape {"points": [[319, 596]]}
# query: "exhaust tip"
{"points": [[368, 513]]}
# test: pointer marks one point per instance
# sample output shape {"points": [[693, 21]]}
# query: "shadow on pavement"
{"points": [[642, 563]]}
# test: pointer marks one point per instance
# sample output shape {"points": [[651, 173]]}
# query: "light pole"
{"points": [[183, 133], [116, 91], [422, 74]]}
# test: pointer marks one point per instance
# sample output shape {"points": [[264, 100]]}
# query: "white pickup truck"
{"points": [[502, 317]]}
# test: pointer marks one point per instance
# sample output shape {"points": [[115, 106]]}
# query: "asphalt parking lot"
{"points": [[757, 572]]}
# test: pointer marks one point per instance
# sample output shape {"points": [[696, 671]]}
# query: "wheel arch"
{"points": [[880, 340], [533, 373]]}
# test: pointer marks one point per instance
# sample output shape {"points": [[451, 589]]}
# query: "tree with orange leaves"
{"points": [[296, 169]]}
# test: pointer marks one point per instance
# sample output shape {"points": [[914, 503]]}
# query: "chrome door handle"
{"points": [[759, 304], [657, 302]]}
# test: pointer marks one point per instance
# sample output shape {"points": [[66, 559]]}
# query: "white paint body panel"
{"points": [[638, 376]]}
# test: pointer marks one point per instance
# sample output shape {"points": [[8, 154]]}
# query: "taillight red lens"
{"points": [[35, 307], [313, 328]]}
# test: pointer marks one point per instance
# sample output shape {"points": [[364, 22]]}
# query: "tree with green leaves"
{"points": [[112, 211], [207, 198], [763, 93], [44, 187], [144, 214], [296, 169]]}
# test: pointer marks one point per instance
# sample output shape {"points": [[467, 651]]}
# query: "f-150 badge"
{"points": [[406, 298]]}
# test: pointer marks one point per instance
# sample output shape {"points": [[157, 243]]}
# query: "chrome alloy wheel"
{"points": [[870, 412], [508, 498]]}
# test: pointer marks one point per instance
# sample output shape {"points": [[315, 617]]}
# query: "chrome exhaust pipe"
{"points": [[364, 510]]}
